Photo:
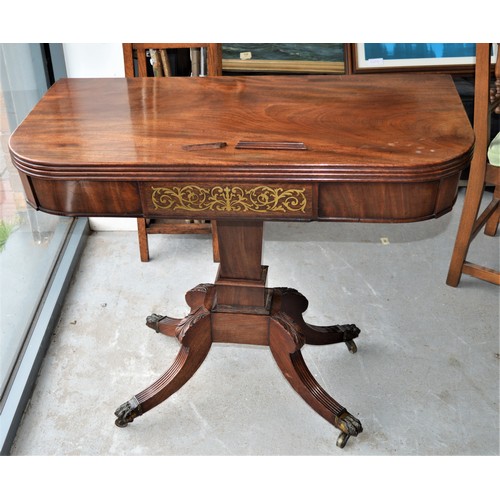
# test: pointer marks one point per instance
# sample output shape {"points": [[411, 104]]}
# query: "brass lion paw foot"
{"points": [[127, 412], [349, 332], [153, 321], [349, 426]]}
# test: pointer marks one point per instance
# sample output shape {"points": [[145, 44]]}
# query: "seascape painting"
{"points": [[333, 52]]}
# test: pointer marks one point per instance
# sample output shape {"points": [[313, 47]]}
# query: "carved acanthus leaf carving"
{"points": [[291, 327], [190, 320]]}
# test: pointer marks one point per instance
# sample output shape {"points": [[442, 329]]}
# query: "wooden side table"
{"points": [[243, 150]]}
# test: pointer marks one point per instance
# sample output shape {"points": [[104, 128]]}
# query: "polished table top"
{"points": [[362, 147]]}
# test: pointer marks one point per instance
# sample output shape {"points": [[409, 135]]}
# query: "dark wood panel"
{"points": [[376, 202], [88, 198], [241, 328]]}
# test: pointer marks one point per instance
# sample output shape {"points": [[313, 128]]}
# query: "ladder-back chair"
{"points": [[483, 171], [172, 59]]}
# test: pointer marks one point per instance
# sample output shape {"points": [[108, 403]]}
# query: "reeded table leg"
{"points": [[287, 334], [194, 334]]}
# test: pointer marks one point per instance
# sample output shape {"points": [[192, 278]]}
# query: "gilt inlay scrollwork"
{"points": [[259, 199]]}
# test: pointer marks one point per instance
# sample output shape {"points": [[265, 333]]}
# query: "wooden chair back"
{"points": [[155, 60], [486, 102], [206, 58]]}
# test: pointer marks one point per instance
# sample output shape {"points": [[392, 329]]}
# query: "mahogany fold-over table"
{"points": [[243, 150]]}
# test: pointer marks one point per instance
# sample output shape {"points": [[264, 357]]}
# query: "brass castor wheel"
{"points": [[342, 439], [120, 423], [353, 348]]}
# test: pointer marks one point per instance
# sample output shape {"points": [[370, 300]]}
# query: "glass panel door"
{"points": [[30, 241]]}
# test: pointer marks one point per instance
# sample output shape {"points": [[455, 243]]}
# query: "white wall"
{"points": [[98, 60], [93, 60]]}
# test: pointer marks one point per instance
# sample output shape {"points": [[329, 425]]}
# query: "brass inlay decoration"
{"points": [[229, 199]]}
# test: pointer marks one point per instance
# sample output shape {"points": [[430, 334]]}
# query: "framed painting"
{"points": [[436, 57], [284, 58]]}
